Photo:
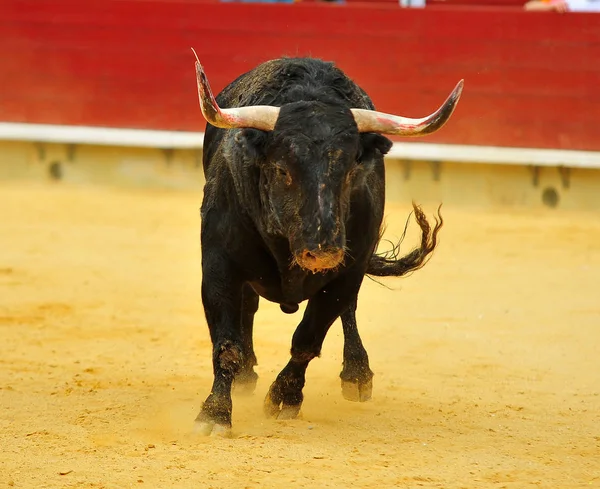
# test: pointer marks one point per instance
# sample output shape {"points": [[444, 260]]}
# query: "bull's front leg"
{"points": [[284, 399], [222, 299], [356, 375], [245, 380]]}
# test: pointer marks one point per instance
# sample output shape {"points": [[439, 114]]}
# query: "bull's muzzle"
{"points": [[320, 260]]}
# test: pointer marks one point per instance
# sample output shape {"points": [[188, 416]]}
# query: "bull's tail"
{"points": [[390, 265]]}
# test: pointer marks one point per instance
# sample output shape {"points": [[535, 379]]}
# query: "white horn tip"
{"points": [[459, 87], [194, 51]]}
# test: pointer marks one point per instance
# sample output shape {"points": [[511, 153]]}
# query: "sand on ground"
{"points": [[487, 361]]}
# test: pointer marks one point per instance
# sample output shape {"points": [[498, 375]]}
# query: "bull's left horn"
{"points": [[373, 121], [261, 117]]}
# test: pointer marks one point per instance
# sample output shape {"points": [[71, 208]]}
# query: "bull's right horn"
{"points": [[373, 121], [261, 117]]}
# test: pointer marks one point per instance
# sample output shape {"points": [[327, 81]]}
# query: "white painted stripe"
{"points": [[495, 155], [105, 136], [50, 133]]}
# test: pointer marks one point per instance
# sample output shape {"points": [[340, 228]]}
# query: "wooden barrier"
{"points": [[531, 78]]}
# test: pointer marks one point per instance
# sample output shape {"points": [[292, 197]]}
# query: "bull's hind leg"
{"points": [[285, 397], [222, 300], [357, 377], [245, 380]]}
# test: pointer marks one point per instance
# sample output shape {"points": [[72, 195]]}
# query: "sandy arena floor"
{"points": [[487, 361]]}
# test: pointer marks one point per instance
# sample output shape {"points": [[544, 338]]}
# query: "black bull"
{"points": [[292, 211]]}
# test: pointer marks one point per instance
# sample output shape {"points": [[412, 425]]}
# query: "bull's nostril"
{"points": [[312, 259], [308, 255]]}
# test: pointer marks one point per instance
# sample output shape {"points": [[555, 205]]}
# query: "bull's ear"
{"points": [[251, 142], [371, 145]]}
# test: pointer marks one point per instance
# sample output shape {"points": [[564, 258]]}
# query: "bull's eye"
{"points": [[283, 174]]}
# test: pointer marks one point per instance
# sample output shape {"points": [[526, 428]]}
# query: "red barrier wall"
{"points": [[532, 79]]}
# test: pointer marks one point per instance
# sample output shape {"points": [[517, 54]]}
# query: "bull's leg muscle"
{"points": [[246, 378], [285, 397], [222, 300], [357, 384]]}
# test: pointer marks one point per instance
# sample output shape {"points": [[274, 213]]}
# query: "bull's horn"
{"points": [[261, 117], [372, 121]]}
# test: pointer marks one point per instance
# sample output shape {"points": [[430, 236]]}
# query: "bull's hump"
{"points": [[284, 80]]}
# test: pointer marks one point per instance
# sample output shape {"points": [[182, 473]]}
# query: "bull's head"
{"points": [[307, 176]]}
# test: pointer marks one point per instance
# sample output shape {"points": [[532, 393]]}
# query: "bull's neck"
{"points": [[292, 284], [292, 277]]}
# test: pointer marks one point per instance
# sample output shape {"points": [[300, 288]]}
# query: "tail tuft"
{"points": [[390, 265]]}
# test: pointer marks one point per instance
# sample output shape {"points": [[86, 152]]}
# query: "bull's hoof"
{"points": [[289, 412], [281, 411], [357, 391], [210, 428], [245, 383], [214, 418]]}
